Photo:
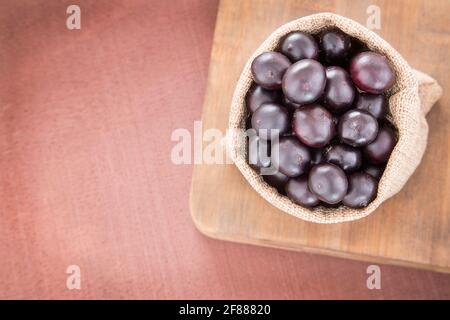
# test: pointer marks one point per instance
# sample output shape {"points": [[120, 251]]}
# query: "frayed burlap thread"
{"points": [[412, 96]]}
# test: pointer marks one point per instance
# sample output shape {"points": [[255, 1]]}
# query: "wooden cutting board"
{"points": [[410, 229]]}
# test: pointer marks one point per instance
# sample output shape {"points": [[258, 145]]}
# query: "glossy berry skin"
{"points": [[362, 189], [313, 125], [335, 46], [258, 152], [374, 170], [380, 149], [372, 72], [375, 104], [299, 45], [298, 191], [268, 69], [328, 182], [339, 90], [304, 81], [293, 158], [270, 119], [357, 128], [277, 180], [258, 95], [346, 157]]}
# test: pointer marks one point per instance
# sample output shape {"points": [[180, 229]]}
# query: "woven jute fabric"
{"points": [[411, 97]]}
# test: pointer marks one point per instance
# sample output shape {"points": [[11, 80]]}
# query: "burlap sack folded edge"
{"points": [[406, 114]]}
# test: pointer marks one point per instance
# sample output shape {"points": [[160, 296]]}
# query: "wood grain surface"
{"points": [[412, 228]]}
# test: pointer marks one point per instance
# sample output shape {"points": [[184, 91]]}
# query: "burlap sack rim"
{"points": [[404, 91]]}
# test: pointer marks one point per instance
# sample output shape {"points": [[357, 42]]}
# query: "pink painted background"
{"points": [[85, 170]]}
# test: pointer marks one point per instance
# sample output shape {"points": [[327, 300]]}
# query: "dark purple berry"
{"points": [[375, 104], [328, 182], [357, 128], [362, 189], [299, 45], [304, 81], [335, 46], [293, 158], [339, 90], [344, 156], [258, 95], [313, 125], [371, 72], [298, 191], [277, 180], [374, 170], [381, 148], [270, 119], [268, 69]]}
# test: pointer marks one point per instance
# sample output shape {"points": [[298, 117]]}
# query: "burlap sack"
{"points": [[410, 99]]}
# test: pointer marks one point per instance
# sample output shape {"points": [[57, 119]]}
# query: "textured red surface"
{"points": [[85, 171]]}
